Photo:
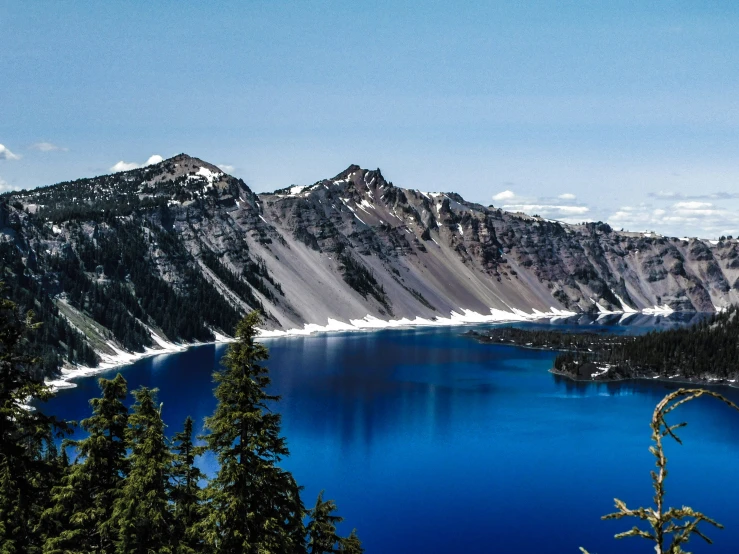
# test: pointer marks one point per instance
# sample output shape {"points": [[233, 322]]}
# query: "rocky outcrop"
{"points": [[343, 248]]}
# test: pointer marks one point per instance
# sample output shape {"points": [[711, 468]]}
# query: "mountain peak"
{"points": [[353, 168], [185, 164]]}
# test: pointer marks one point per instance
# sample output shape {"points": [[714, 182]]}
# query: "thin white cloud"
{"points": [[691, 205], [670, 195], [561, 208], [690, 218], [667, 194], [5, 186], [48, 147], [128, 166], [575, 220], [6, 154], [227, 168], [505, 195], [547, 209]]}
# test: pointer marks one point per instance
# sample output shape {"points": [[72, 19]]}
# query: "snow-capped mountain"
{"points": [[178, 250]]}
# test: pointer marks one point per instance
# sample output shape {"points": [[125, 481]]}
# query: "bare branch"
{"points": [[673, 525]]}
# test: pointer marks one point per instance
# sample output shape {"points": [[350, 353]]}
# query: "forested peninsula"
{"points": [[707, 351]]}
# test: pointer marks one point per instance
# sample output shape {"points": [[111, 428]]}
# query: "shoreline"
{"points": [[372, 323], [366, 324], [122, 358], [658, 378], [369, 322]]}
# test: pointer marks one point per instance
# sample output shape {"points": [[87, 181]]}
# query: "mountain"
{"points": [[179, 250]]}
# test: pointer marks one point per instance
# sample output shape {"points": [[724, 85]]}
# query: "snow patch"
{"points": [[626, 316], [462, 316], [121, 358], [366, 204], [601, 370], [209, 175], [658, 310], [624, 306]]}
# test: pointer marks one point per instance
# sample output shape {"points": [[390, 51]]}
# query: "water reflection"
{"points": [[394, 383], [405, 428], [619, 323]]}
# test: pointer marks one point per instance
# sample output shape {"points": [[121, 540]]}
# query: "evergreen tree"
{"points": [[58, 465], [82, 505], [253, 505], [141, 512], [185, 492], [25, 436], [11, 517], [351, 544], [322, 537]]}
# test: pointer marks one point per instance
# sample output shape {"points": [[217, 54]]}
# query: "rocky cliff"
{"points": [[177, 251]]}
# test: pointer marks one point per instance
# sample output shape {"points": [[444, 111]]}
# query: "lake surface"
{"points": [[433, 443]]}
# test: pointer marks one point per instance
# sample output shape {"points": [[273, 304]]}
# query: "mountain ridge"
{"points": [[181, 249]]}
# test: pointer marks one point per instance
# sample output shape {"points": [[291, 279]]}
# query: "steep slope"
{"points": [[179, 250]]}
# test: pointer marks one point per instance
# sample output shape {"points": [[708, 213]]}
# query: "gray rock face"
{"points": [[356, 245]]}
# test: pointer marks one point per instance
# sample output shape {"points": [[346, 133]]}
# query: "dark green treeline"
{"points": [[132, 490], [708, 349]]}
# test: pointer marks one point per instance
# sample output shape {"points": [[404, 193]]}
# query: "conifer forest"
{"points": [[125, 487]]}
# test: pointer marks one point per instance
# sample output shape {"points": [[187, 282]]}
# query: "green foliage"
{"points": [[141, 512], [130, 491], [232, 280], [123, 194], [185, 492], [351, 544], [55, 340], [12, 520], [253, 505], [706, 349], [204, 305], [83, 502], [124, 255], [322, 537], [25, 436], [361, 279], [108, 246]]}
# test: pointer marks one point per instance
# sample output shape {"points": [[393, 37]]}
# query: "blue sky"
{"points": [[626, 112]]}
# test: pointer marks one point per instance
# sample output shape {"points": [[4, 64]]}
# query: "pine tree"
{"points": [[351, 544], [58, 464], [25, 436], [141, 512], [185, 492], [253, 505], [82, 504], [11, 516], [322, 537]]}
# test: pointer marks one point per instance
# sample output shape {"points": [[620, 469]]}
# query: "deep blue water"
{"points": [[432, 443]]}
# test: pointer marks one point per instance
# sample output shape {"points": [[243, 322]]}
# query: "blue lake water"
{"points": [[433, 443]]}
